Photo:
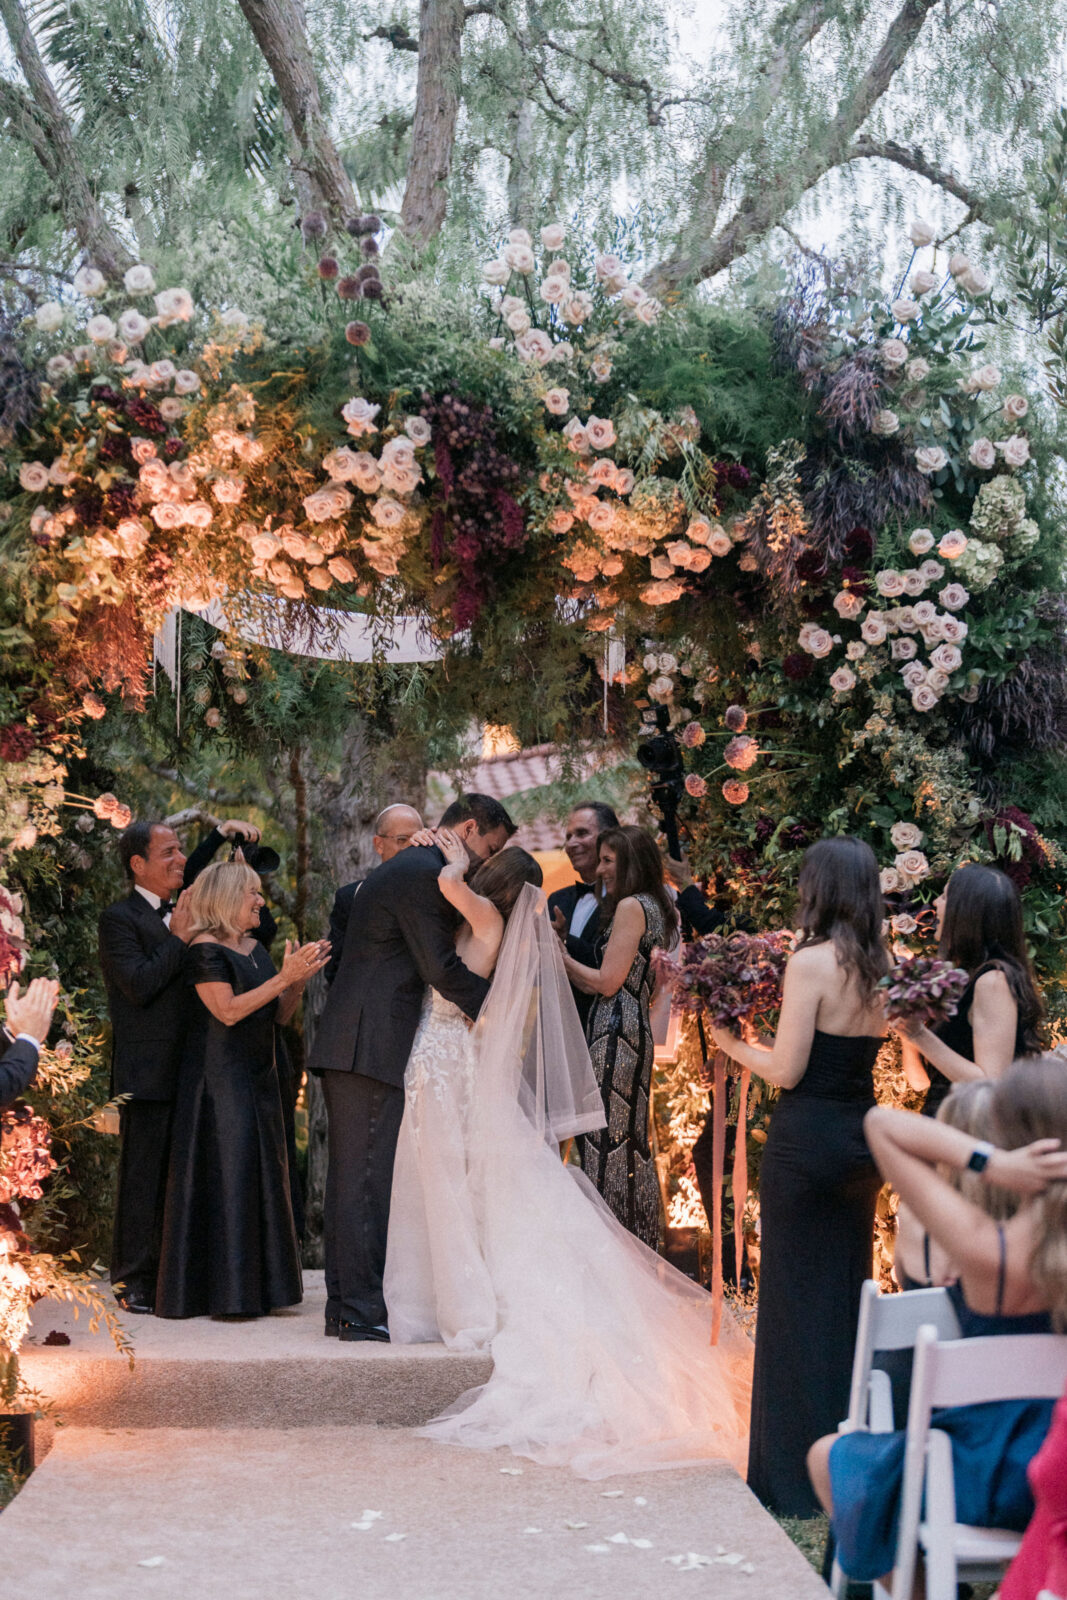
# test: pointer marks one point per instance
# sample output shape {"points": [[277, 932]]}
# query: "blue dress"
{"points": [[992, 1446]]}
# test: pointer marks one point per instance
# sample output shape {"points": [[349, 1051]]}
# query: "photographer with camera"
{"points": [[244, 837]]}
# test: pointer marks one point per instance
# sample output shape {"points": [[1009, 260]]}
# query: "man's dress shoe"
{"points": [[361, 1333], [135, 1303]]}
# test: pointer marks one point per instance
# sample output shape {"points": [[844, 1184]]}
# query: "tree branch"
{"points": [[396, 34], [913, 160], [40, 120], [764, 207], [280, 31]]}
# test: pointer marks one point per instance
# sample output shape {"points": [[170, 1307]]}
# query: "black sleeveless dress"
{"points": [[817, 1189], [958, 1034], [229, 1241]]}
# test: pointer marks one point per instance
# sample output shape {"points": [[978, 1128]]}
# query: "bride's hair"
{"points": [[501, 878]]}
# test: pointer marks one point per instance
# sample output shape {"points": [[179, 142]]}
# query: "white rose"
{"points": [[885, 423], [720, 543], [889, 583], [912, 863], [855, 650], [562, 350], [842, 680], [600, 431], [958, 264], [139, 279], [161, 372], [632, 295], [553, 290], [1015, 408], [578, 309], [49, 317], [914, 674], [894, 353], [889, 880], [903, 649], [496, 272], [90, 282], [906, 836], [987, 377], [520, 258], [917, 370], [930, 458], [661, 688], [914, 582], [932, 571], [923, 282], [534, 345], [952, 545], [921, 233], [924, 612], [100, 329], [873, 629], [185, 381], [848, 604], [132, 326], [387, 513], [173, 305], [33, 476], [1016, 450], [235, 319], [518, 321], [820, 643], [559, 269], [921, 541], [982, 454], [937, 681], [359, 414], [519, 236], [648, 311], [975, 282], [954, 597], [947, 658], [553, 235], [557, 401], [923, 698], [58, 367], [905, 310]]}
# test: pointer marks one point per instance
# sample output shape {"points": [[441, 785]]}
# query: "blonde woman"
{"points": [[229, 1242]]}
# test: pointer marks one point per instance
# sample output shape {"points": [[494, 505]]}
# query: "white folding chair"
{"points": [[961, 1372], [886, 1322]]}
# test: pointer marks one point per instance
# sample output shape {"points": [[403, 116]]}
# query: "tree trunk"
{"points": [[522, 200], [436, 113], [303, 848], [42, 121], [281, 33]]}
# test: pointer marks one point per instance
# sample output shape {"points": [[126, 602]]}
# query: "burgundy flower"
{"points": [[810, 565], [797, 667], [114, 447], [121, 499], [853, 578], [16, 741], [859, 545], [146, 416]]}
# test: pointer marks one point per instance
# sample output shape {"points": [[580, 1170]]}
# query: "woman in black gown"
{"points": [[818, 1184], [638, 916], [998, 1019], [229, 1242]]}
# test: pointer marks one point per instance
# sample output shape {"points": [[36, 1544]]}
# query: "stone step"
{"points": [[260, 1514], [277, 1372]]}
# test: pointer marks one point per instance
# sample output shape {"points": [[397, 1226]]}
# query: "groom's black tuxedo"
{"points": [[400, 938]]}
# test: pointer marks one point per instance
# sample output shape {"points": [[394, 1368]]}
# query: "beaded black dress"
{"points": [[618, 1159]]}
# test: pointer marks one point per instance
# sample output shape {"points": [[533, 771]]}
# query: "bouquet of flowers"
{"points": [[731, 979], [25, 1154], [922, 991]]}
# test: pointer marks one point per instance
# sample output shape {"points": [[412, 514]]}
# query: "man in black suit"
{"points": [[401, 938], [574, 910], [28, 1018], [142, 953], [394, 829]]}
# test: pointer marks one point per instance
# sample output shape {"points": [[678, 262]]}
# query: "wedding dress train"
{"points": [[601, 1353]]}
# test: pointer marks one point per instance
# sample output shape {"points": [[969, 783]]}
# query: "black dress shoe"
{"points": [[361, 1333], [135, 1303], [333, 1327]]}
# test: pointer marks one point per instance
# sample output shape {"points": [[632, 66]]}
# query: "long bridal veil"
{"points": [[601, 1354]]}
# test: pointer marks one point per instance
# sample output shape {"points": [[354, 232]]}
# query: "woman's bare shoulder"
{"points": [[814, 960]]}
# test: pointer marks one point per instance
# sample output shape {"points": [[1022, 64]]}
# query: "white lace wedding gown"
{"points": [[601, 1352]]}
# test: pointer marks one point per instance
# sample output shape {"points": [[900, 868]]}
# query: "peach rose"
{"points": [[920, 541], [842, 680], [557, 401]]}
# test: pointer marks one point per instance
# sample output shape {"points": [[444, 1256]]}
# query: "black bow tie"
{"points": [[165, 907], [586, 888]]}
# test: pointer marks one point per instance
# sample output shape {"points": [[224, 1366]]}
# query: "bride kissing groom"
{"points": [[481, 1237]]}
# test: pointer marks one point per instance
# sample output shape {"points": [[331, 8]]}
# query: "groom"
{"points": [[400, 938]]}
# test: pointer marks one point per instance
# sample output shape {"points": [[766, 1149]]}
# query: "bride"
{"points": [[601, 1353]]}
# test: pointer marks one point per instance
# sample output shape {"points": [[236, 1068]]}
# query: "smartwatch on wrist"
{"points": [[980, 1155]]}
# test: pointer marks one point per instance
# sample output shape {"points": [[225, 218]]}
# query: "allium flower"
{"points": [[982, 454], [954, 597], [357, 334], [695, 785], [894, 353], [917, 370], [1016, 450], [930, 458], [952, 544], [842, 680], [735, 792], [100, 329], [90, 282], [741, 752], [557, 401], [49, 317], [33, 476], [359, 414], [1015, 408], [173, 305], [692, 735], [920, 541], [905, 310], [922, 282]]}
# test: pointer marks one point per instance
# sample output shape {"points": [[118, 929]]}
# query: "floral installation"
{"points": [[922, 991]]}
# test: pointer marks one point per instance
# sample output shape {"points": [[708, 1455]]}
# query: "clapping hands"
{"points": [[300, 964]]}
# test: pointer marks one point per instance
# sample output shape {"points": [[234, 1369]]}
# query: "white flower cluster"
{"points": [[909, 868]]}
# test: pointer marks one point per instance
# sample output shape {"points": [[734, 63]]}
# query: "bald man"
{"points": [[394, 829]]}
